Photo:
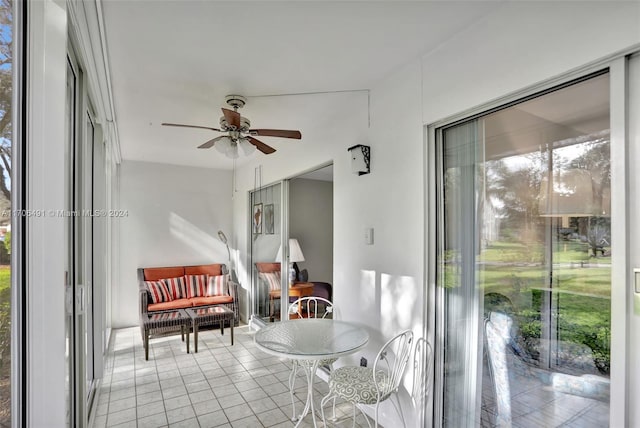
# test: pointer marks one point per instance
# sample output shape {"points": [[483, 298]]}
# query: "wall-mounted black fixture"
{"points": [[360, 159]]}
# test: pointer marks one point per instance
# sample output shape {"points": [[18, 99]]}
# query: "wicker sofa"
{"points": [[171, 274]]}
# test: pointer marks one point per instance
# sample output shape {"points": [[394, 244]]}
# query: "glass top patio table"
{"points": [[311, 339], [314, 340]]}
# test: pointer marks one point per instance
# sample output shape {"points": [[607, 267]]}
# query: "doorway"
{"points": [[298, 209], [311, 223]]}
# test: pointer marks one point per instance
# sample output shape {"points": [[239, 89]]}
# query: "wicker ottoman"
{"points": [[205, 315], [162, 322]]}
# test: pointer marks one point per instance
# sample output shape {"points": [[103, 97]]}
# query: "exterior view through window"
{"points": [[525, 262], [5, 211]]}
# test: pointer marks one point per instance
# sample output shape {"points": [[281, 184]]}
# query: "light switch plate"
{"points": [[368, 235]]}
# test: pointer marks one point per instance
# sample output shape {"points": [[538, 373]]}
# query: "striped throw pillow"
{"points": [[159, 291], [196, 285], [272, 279], [165, 316], [177, 287], [217, 285]]}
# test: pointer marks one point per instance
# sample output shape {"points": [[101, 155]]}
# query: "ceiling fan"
{"points": [[238, 132]]}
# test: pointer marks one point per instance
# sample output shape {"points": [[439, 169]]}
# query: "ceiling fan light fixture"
{"points": [[247, 147], [232, 151], [223, 145]]}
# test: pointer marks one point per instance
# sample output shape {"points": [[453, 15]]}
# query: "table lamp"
{"points": [[295, 255]]}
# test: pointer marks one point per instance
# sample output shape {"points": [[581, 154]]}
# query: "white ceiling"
{"points": [[578, 110], [174, 61]]}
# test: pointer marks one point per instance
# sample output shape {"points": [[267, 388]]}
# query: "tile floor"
{"points": [[220, 386], [240, 386], [536, 405]]}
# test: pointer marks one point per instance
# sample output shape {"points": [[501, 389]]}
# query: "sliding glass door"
{"points": [[524, 261], [85, 219], [267, 234]]}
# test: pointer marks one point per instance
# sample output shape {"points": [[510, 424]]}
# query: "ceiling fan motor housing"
{"points": [[245, 124]]}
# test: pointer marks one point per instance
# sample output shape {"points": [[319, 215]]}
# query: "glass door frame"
{"points": [[620, 262], [254, 315]]}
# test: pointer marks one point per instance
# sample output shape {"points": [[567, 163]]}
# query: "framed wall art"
{"points": [[257, 219]]}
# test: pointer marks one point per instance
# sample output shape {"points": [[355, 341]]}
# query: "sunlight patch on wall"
{"points": [[398, 303], [198, 240], [237, 268], [368, 288]]}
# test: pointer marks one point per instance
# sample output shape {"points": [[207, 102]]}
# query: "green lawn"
{"points": [[5, 278], [581, 290], [5, 344]]}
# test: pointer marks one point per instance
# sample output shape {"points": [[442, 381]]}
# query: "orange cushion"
{"points": [[213, 269], [212, 300], [268, 267], [174, 304], [155, 274]]}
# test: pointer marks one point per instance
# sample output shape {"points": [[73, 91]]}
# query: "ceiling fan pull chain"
{"points": [[233, 180]]}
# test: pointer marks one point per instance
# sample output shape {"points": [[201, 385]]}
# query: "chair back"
{"points": [[265, 267], [497, 328], [269, 274], [311, 307], [392, 359], [422, 367]]}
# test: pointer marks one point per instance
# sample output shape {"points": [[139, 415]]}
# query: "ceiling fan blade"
{"points": [[267, 150], [211, 142], [191, 126], [232, 117], [283, 133]]}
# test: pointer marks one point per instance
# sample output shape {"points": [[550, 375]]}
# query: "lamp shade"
{"points": [[295, 252]]}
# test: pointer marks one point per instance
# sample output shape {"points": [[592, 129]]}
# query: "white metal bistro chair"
{"points": [[422, 368], [308, 307], [359, 385]]}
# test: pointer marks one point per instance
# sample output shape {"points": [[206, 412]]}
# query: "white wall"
{"points": [[521, 44], [379, 285], [174, 214], [311, 223]]}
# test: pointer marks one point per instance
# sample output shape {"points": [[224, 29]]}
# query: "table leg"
{"points": [[222, 327], [195, 337], [310, 372], [146, 345], [231, 324]]}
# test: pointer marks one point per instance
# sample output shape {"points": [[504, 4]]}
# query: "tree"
{"points": [[516, 188], [6, 20]]}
